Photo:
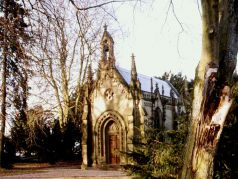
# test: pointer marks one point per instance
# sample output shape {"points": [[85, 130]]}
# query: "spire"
{"points": [[135, 83], [163, 90], [133, 68]]}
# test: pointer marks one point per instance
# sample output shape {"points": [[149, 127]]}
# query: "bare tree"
{"points": [[66, 45], [212, 90]]}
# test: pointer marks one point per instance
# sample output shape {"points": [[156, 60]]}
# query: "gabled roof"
{"points": [[146, 83]]}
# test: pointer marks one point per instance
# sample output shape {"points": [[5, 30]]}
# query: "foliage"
{"points": [[71, 146], [27, 132], [13, 40], [41, 138], [160, 155], [176, 79], [180, 83], [9, 151], [19, 134]]}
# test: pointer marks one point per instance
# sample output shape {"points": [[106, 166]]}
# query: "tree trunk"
{"points": [[3, 105], [212, 92], [4, 88]]}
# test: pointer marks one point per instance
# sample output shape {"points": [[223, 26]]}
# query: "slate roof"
{"points": [[146, 83]]}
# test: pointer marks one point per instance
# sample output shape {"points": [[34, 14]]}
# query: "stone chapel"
{"points": [[119, 106]]}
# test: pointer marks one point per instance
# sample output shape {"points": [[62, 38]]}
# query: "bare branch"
{"points": [[167, 14], [98, 5], [199, 10], [171, 5]]}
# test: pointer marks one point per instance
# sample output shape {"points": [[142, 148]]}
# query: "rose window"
{"points": [[109, 94]]}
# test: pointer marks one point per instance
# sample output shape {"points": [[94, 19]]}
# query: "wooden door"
{"points": [[113, 150]]}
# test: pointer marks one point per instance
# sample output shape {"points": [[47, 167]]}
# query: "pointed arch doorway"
{"points": [[112, 143], [110, 139]]}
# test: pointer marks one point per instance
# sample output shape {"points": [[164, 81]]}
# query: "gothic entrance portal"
{"points": [[112, 143], [110, 139]]}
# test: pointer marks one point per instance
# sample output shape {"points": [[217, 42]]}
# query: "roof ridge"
{"points": [[138, 73], [146, 83]]}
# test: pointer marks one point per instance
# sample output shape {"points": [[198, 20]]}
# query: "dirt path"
{"points": [[70, 172]]}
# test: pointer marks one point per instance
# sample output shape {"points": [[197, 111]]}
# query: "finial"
{"points": [[151, 83], [156, 89], [156, 86], [105, 27], [132, 56]]}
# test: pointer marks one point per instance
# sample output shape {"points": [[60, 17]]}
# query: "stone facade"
{"points": [[119, 106]]}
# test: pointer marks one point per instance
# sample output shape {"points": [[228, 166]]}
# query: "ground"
{"points": [[60, 170]]}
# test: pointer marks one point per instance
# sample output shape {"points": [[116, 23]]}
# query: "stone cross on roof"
{"points": [[105, 27]]}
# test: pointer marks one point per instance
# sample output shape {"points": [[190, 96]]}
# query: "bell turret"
{"points": [[107, 50]]}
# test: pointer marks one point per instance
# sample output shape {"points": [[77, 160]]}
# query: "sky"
{"points": [[156, 37], [151, 31]]}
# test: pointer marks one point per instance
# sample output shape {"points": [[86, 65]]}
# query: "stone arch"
{"points": [[158, 118], [102, 125]]}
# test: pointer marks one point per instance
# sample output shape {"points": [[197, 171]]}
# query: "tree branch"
{"points": [[98, 5]]}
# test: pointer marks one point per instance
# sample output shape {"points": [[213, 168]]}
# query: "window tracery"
{"points": [[109, 94]]}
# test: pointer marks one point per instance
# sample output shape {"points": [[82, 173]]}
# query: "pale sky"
{"points": [[158, 45]]}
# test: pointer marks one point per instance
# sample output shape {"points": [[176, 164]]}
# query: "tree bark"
{"points": [[212, 90], [4, 88]]}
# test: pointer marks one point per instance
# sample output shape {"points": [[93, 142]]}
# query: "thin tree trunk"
{"points": [[4, 88]]}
